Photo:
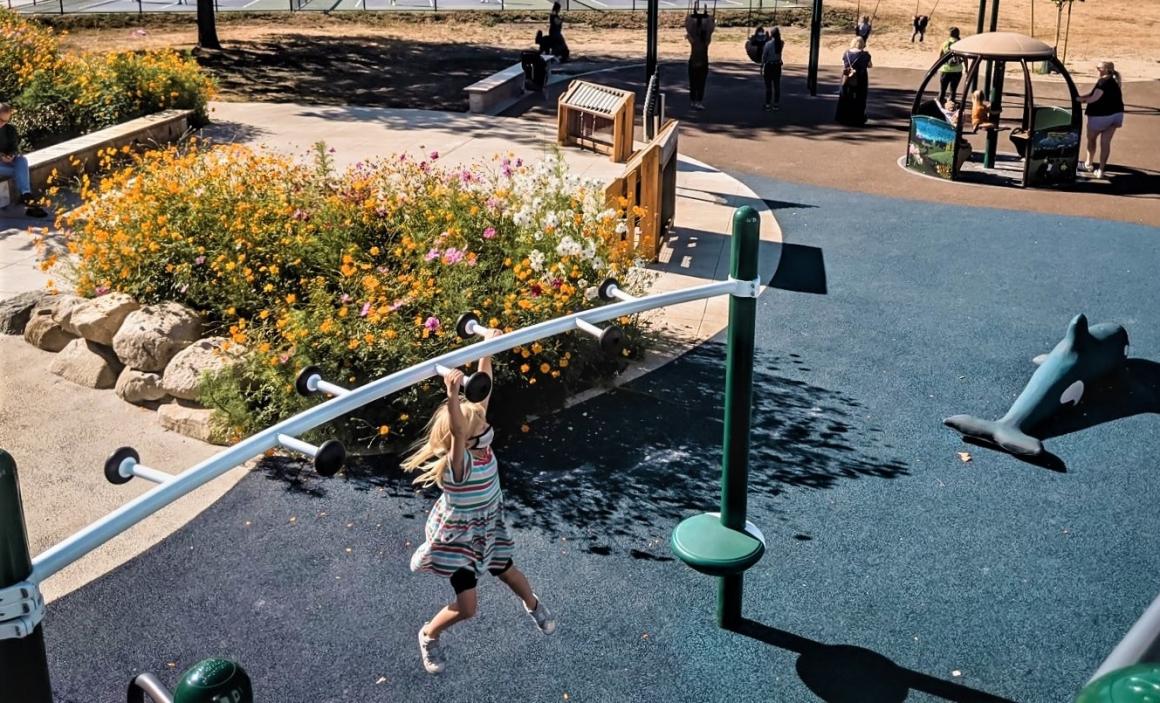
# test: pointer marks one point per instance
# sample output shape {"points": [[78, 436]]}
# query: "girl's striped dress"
{"points": [[466, 529]]}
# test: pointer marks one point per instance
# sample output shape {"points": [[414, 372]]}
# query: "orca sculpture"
{"points": [[1083, 355]]}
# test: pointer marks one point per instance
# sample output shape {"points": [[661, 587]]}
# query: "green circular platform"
{"points": [[1133, 684], [705, 544]]}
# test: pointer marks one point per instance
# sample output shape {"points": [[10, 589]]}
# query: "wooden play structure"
{"points": [[597, 117], [649, 181]]}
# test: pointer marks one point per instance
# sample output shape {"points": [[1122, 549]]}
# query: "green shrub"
{"points": [[362, 272]]}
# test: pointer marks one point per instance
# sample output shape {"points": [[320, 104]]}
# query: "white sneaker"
{"points": [[431, 653], [1099, 173], [543, 618]]}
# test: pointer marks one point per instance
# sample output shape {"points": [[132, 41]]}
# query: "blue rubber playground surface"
{"points": [[895, 570]]}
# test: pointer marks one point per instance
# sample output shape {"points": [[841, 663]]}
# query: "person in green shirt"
{"points": [[952, 71], [13, 165]]}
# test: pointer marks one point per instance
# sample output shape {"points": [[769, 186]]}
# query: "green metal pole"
{"points": [[738, 400], [23, 661], [815, 49], [996, 88], [994, 27], [979, 30]]}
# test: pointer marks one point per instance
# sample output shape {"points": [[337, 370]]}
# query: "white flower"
{"points": [[583, 283], [536, 259], [591, 293], [621, 227]]}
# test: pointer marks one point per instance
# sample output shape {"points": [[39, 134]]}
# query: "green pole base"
{"points": [[1133, 684], [705, 544], [214, 681]]}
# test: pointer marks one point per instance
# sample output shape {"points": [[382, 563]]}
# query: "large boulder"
{"points": [[183, 374], [191, 421], [150, 336], [97, 320], [135, 386], [87, 364], [63, 306], [15, 311], [45, 333]]}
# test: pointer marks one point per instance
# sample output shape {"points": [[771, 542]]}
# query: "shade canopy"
{"points": [[1002, 45]]}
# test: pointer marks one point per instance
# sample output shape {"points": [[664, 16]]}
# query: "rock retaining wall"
{"points": [[150, 355]]}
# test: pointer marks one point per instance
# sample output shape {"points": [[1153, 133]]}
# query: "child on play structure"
{"points": [[980, 112], [863, 28], [466, 533]]}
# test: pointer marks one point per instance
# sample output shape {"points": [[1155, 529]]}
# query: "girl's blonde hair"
{"points": [[430, 454], [857, 43], [1110, 67], [979, 96]]}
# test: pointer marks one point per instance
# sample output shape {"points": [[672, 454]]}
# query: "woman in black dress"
{"points": [[855, 84], [559, 47]]}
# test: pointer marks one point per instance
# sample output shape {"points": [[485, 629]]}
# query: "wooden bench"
{"points": [[70, 157], [499, 91]]}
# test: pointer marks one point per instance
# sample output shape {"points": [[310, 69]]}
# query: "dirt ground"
{"points": [[1118, 30]]}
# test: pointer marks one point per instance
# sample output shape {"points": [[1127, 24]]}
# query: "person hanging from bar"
{"points": [[920, 24], [466, 535], [699, 26]]}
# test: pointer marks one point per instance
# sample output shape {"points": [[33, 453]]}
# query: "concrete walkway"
{"points": [[61, 440]]}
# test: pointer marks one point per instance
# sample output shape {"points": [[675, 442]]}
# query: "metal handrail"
{"points": [[78, 545], [1140, 644]]}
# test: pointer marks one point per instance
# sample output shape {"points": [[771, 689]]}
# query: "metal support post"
{"points": [[996, 88], [815, 47], [738, 400], [23, 661], [727, 544], [650, 60]]}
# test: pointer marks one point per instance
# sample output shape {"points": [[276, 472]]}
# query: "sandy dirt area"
{"points": [[1109, 29]]}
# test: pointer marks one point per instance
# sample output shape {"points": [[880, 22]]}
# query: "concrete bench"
{"points": [[497, 92], [70, 157]]}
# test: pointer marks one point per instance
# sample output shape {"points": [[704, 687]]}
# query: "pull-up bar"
{"points": [[723, 546]]}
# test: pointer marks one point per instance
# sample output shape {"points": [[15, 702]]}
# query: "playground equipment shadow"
{"points": [[840, 673]]}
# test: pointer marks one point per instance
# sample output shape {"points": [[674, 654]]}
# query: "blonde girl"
{"points": [[1105, 113], [465, 533]]}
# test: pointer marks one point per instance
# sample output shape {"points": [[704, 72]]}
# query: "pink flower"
{"points": [[345, 298], [432, 255], [433, 155], [489, 233], [519, 163], [366, 309], [452, 256], [432, 323], [494, 203], [396, 305], [199, 260], [101, 290], [556, 283], [537, 290]]}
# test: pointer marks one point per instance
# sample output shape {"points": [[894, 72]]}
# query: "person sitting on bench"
{"points": [[14, 165]]}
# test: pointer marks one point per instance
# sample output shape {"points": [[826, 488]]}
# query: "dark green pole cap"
{"points": [[214, 681]]}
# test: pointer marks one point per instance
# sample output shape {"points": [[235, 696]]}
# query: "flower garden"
{"points": [[362, 271], [60, 96]]}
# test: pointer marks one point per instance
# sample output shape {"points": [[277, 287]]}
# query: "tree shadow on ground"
{"points": [[734, 99], [848, 674], [649, 453], [652, 449], [354, 70]]}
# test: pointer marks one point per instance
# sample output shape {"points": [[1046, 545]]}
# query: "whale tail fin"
{"points": [[998, 434]]}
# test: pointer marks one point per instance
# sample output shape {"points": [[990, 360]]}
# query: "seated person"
{"points": [[930, 108], [756, 43], [13, 165], [980, 112], [920, 23], [951, 111]]}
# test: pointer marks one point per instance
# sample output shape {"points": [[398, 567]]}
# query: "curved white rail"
{"points": [[73, 548]]}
